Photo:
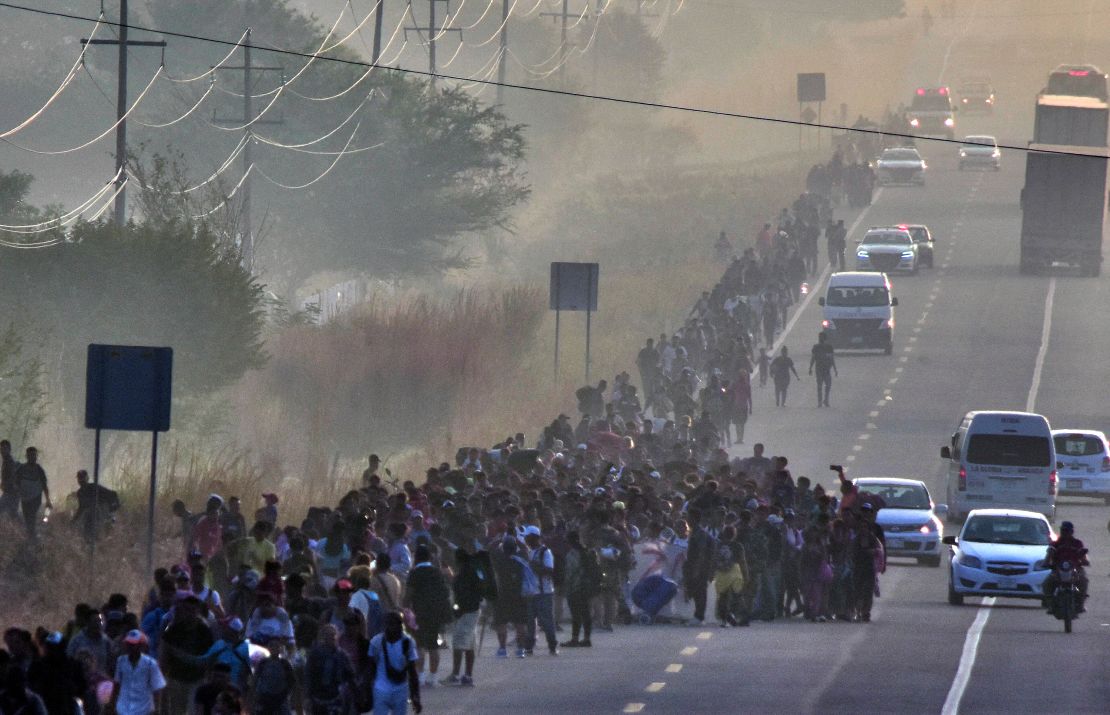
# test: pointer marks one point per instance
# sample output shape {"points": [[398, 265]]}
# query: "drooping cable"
{"points": [[321, 176], [57, 219], [358, 24], [61, 239], [61, 87], [212, 71], [229, 197], [275, 143], [222, 168], [106, 132]]}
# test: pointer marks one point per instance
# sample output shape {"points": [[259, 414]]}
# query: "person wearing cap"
{"points": [[207, 533], [138, 683], [542, 561], [185, 638], [429, 597], [232, 651]]}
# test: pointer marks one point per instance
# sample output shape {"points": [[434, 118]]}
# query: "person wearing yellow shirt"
{"points": [[257, 549]]}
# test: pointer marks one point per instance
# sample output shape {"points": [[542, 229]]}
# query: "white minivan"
{"points": [[1001, 460], [859, 311]]}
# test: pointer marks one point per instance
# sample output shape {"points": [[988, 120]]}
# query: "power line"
{"points": [[567, 93]]}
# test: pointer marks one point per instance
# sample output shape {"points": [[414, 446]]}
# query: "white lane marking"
{"points": [[864, 437], [1046, 331], [634, 708], [815, 289], [655, 687], [705, 635], [874, 413], [899, 369], [967, 659], [971, 642], [850, 458], [688, 650], [674, 668], [872, 425], [891, 381], [857, 447]]}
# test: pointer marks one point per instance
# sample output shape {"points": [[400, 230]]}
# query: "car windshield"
{"points": [[1077, 445], [900, 155], [857, 297], [887, 238], [899, 496], [1021, 530], [972, 142], [1009, 450], [931, 103]]}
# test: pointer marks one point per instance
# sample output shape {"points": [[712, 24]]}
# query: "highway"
{"points": [[968, 335]]}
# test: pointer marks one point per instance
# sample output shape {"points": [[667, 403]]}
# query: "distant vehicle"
{"points": [[980, 150], [1001, 459], [999, 552], [887, 249], [1083, 461], [976, 96], [1071, 121], [924, 241], [911, 522], [1063, 205], [932, 113], [858, 311], [1077, 81], [900, 165]]}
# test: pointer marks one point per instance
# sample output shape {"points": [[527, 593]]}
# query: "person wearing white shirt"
{"points": [[139, 681], [542, 562]]}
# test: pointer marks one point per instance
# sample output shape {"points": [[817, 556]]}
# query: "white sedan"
{"points": [[900, 165], [999, 552], [911, 522], [1084, 463]]}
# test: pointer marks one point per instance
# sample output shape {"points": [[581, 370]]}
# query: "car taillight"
{"points": [[1106, 464], [963, 480], [1052, 483], [890, 323], [824, 323]]}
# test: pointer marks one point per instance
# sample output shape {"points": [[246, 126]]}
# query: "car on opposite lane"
{"points": [[910, 520], [981, 151], [999, 552], [976, 95], [900, 165], [1083, 459], [887, 249], [923, 238]]}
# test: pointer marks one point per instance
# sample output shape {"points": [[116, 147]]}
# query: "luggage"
{"points": [[652, 594]]}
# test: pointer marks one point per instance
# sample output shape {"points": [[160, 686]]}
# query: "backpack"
{"points": [[111, 499], [273, 681], [529, 582], [375, 614]]}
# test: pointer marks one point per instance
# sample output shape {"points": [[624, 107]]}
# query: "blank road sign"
{"points": [[811, 87], [574, 286], [128, 387]]}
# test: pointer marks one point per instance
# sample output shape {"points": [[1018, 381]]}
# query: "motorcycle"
{"points": [[1065, 595]]}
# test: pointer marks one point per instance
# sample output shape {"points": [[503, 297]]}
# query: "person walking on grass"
{"points": [[30, 479]]}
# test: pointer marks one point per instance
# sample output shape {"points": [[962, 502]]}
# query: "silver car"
{"points": [[1083, 463], [888, 250], [980, 151], [900, 165], [912, 524]]}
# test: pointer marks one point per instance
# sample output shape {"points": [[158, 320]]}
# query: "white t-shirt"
{"points": [[395, 653], [137, 685], [547, 583]]}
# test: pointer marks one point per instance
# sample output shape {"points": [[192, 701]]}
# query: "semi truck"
{"points": [[1063, 207]]}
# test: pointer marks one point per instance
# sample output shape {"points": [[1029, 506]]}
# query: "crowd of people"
{"points": [[347, 608]]}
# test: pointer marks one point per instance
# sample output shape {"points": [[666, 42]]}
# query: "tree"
{"points": [[172, 283]]}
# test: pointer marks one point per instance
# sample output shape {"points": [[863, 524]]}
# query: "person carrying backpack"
{"points": [[329, 675], [511, 607], [393, 665], [582, 580], [429, 596], [542, 563]]}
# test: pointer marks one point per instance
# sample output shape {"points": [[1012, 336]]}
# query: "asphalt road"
{"points": [[968, 336]]}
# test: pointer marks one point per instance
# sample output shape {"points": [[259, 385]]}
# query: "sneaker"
{"points": [[454, 680], [502, 653], [586, 643], [431, 682], [607, 629], [528, 652], [553, 651], [466, 681], [724, 625], [571, 644], [520, 652], [821, 619]]}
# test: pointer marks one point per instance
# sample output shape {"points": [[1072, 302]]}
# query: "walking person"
{"points": [[542, 561], [822, 359], [139, 681], [697, 569], [763, 362], [782, 367], [9, 487], [470, 583], [582, 581], [393, 666], [429, 596], [30, 478]]}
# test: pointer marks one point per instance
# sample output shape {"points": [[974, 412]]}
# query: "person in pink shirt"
{"points": [[207, 537]]}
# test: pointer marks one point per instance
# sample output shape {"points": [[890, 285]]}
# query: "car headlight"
{"points": [[862, 254], [965, 100], [972, 562], [990, 100], [962, 153], [907, 254], [828, 324], [948, 122], [915, 122], [996, 154], [929, 527]]}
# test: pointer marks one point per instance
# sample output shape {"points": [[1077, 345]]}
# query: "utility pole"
{"points": [[562, 16], [121, 105], [378, 32], [502, 61], [433, 32], [248, 68]]}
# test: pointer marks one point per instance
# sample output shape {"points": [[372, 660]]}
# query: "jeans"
{"points": [[770, 593], [580, 618], [540, 609], [391, 701], [699, 591], [824, 384]]}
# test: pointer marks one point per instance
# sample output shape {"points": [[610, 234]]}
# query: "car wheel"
{"points": [[931, 561], [954, 599]]}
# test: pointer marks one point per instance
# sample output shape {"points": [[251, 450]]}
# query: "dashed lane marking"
{"points": [[913, 338], [864, 437], [634, 708], [705, 635], [850, 458], [873, 413], [655, 687], [674, 668], [689, 650], [899, 369], [872, 425], [857, 447]]}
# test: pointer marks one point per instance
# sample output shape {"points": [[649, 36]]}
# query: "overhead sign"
{"points": [[128, 387], [574, 286], [811, 87]]}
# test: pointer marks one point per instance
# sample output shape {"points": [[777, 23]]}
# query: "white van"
{"points": [[859, 311], [1001, 460]]}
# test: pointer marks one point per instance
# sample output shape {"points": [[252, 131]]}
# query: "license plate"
{"points": [[895, 543], [1074, 483], [1007, 583]]}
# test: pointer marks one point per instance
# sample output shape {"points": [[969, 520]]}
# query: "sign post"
{"points": [[128, 388], [811, 88], [573, 287]]}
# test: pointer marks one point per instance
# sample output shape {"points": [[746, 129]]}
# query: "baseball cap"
{"points": [[236, 625], [344, 585], [531, 530], [270, 498], [135, 637], [54, 638]]}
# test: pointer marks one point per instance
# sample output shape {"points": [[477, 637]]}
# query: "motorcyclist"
{"points": [[1066, 548]]}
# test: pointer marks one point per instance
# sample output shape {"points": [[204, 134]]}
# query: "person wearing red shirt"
{"points": [[1070, 549]]}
